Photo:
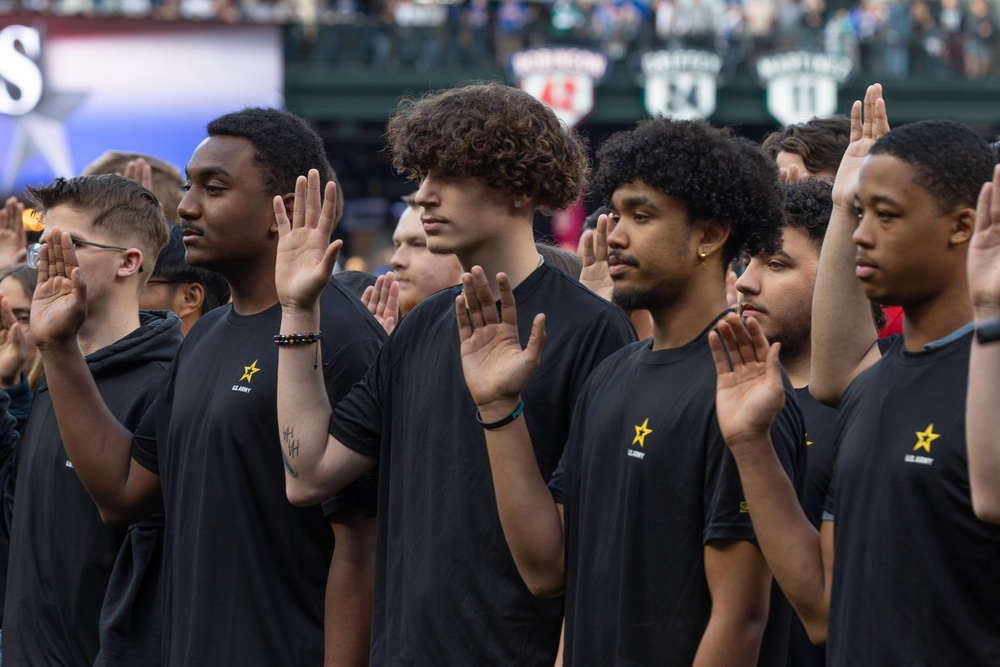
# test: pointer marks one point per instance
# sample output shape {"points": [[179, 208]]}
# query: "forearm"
{"points": [[99, 447], [730, 642], [350, 591], [843, 331], [789, 542], [982, 424], [316, 464], [530, 517]]}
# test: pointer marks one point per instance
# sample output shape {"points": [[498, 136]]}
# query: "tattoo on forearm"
{"points": [[289, 468], [292, 447], [291, 442]]}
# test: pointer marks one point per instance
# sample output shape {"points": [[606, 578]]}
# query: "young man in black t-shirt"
{"points": [[61, 552], [245, 573], [447, 589], [915, 580], [646, 528]]}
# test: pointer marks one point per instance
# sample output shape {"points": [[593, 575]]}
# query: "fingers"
{"points": [[984, 211], [533, 351], [281, 216], [472, 305], [368, 297], [757, 339], [601, 238], [719, 356], [857, 127], [869, 108], [328, 215], [587, 255], [384, 284], [392, 304], [331, 255], [880, 125], [508, 307], [301, 202], [462, 316], [7, 319]]}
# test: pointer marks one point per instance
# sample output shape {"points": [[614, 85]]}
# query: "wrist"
{"points": [[493, 411], [986, 310], [296, 319]]}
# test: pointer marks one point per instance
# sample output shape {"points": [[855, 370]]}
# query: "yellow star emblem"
{"points": [[925, 438], [248, 371], [641, 432]]}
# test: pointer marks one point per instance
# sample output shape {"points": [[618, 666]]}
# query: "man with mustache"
{"points": [[643, 527]]}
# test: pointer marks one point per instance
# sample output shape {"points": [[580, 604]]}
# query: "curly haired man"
{"points": [[447, 589]]}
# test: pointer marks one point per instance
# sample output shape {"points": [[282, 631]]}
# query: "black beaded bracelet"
{"points": [[297, 339], [491, 426], [988, 331]]}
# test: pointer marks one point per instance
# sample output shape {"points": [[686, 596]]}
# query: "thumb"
{"points": [[534, 348]]}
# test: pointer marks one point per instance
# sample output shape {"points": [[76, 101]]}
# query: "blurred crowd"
{"points": [[886, 38]]}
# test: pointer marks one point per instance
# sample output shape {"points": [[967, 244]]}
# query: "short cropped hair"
{"points": [[820, 142], [122, 208], [493, 132], [950, 160], [167, 179], [808, 207], [285, 146], [718, 177], [171, 265]]}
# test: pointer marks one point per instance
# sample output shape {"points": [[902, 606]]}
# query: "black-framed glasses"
{"points": [[35, 250]]}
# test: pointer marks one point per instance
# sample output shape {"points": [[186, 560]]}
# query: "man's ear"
{"points": [[131, 263], [712, 236], [188, 299], [963, 221], [289, 200]]}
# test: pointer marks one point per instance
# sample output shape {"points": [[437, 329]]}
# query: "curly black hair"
{"points": [[718, 177], [285, 146], [494, 132], [808, 206], [951, 161], [820, 142]]}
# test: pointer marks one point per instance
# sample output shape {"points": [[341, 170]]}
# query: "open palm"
{"points": [[496, 367], [59, 304], [305, 256]]}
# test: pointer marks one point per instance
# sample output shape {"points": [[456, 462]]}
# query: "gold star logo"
{"points": [[641, 432], [925, 438], [248, 371]]}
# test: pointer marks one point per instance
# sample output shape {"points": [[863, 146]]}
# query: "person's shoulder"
{"points": [[343, 315]]}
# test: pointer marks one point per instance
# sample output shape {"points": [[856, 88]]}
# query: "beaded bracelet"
{"points": [[502, 422], [290, 340], [297, 339]]}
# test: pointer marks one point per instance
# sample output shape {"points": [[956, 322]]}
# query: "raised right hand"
{"points": [[59, 305], [594, 255], [13, 245], [865, 131], [382, 301], [305, 258]]}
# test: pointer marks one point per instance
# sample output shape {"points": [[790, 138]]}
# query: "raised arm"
{"points": [[316, 464], [97, 444], [496, 371], [844, 338], [982, 418], [749, 396], [13, 245]]}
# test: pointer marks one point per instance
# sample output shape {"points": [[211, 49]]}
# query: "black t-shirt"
{"points": [[447, 590], [821, 422], [647, 481], [916, 578], [61, 552], [244, 569]]}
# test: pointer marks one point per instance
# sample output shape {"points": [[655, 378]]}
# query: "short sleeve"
{"points": [[357, 419], [144, 440], [727, 515]]}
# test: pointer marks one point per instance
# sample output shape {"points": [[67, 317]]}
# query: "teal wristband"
{"points": [[502, 422]]}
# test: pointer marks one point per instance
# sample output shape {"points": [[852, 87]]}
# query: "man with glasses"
{"points": [[61, 551]]}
